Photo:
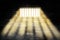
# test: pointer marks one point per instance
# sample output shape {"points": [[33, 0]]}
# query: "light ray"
{"points": [[30, 28], [22, 27], [30, 25], [38, 30], [10, 23], [26, 17], [14, 27], [51, 26], [45, 28]]}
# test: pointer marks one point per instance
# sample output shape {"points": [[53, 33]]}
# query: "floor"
{"points": [[30, 28]]}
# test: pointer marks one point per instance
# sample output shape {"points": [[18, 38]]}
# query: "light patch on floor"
{"points": [[27, 18]]}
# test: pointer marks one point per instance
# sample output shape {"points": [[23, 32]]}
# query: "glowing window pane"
{"points": [[29, 12]]}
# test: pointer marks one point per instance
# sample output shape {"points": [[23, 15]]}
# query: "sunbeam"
{"points": [[27, 19]]}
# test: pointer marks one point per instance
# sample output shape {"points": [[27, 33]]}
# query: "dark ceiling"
{"points": [[9, 7]]}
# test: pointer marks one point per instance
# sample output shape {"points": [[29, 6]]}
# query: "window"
{"points": [[29, 12]]}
